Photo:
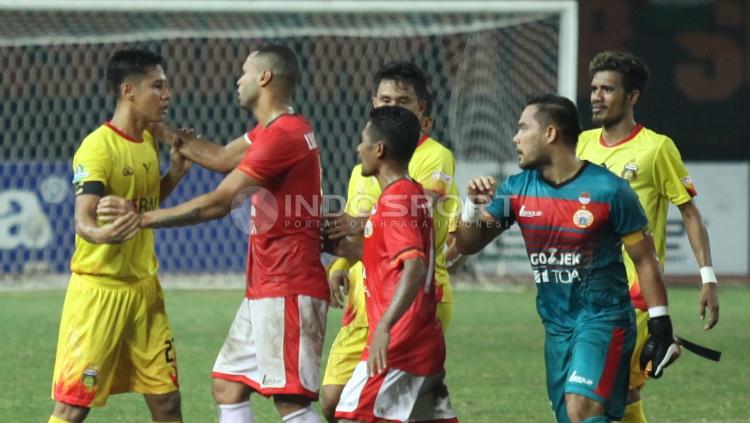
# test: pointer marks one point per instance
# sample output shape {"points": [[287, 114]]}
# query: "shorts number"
{"points": [[168, 353]]}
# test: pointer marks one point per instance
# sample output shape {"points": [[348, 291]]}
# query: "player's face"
{"points": [[151, 95], [248, 86], [530, 141], [367, 150], [396, 93], [609, 101]]}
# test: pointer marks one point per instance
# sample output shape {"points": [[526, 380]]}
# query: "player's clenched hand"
{"points": [[179, 165], [482, 189], [163, 133], [121, 229], [112, 207], [709, 298], [338, 282], [340, 226], [377, 362], [660, 349]]}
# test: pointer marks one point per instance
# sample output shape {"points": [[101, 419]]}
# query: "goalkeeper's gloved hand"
{"points": [[661, 348]]}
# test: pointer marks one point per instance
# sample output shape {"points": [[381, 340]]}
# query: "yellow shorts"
{"points": [[637, 376], [346, 351], [114, 338]]}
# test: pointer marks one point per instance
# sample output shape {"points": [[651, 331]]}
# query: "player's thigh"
{"points": [[638, 376], [95, 317], [600, 365], [150, 363], [345, 354]]}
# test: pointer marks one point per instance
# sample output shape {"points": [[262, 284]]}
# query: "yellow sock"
{"points": [[634, 413], [54, 419]]}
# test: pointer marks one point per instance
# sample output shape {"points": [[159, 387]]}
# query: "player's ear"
{"points": [[380, 149], [633, 97], [127, 91], [551, 133], [265, 77]]}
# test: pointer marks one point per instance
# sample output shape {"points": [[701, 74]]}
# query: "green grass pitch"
{"points": [[495, 360]]}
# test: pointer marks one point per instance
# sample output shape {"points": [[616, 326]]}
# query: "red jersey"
{"points": [[284, 248], [400, 228]]}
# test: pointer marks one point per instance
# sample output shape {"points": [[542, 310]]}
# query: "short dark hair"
{"points": [[633, 70], [283, 63], [131, 63], [406, 73], [398, 128], [560, 112], [428, 103]]}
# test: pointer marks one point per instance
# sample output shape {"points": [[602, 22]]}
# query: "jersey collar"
{"points": [[630, 136]]}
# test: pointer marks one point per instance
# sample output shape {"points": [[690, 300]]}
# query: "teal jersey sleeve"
{"points": [[627, 214], [500, 208]]}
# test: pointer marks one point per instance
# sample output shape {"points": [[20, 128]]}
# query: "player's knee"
{"points": [[70, 413], [287, 404], [165, 407], [227, 392], [580, 408], [329, 399]]}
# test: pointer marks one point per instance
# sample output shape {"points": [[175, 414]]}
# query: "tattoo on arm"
{"points": [[184, 219]]}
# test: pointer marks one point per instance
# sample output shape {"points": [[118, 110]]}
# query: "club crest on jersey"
{"points": [[368, 229], [630, 171], [128, 171], [89, 377], [583, 218], [79, 174]]}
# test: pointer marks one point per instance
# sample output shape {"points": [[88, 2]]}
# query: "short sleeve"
{"points": [[436, 172], [404, 230], [91, 163], [671, 176], [271, 153], [626, 212], [500, 207]]}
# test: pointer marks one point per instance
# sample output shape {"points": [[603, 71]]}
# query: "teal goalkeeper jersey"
{"points": [[573, 234]]}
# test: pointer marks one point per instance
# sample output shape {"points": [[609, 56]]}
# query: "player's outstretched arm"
{"points": [[477, 228], [178, 168], [412, 278], [698, 236], [119, 229], [660, 349], [211, 155], [214, 205]]}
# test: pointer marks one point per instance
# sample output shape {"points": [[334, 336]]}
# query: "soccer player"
{"points": [[574, 217], [400, 84], [652, 166], [276, 340], [400, 375], [114, 332]]}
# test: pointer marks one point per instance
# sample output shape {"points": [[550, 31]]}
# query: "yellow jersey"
{"points": [[652, 165], [128, 168], [433, 166]]}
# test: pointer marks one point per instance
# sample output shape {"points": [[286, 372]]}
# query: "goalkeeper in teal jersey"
{"points": [[575, 216]]}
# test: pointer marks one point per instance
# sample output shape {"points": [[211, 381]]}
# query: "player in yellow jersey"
{"points": [[652, 165], [114, 333], [432, 165]]}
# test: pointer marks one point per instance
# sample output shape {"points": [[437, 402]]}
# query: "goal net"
{"points": [[483, 60]]}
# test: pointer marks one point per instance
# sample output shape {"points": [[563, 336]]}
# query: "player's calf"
{"points": [[581, 408], [228, 392], [329, 398], [66, 413], [295, 409], [164, 407]]}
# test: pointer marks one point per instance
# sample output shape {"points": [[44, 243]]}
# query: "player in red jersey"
{"points": [[276, 340], [400, 377]]}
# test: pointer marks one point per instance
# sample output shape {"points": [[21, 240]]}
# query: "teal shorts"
{"points": [[593, 360]]}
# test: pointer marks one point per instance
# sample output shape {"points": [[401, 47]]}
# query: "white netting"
{"points": [[482, 67]]}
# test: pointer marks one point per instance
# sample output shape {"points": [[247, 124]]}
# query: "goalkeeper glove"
{"points": [[661, 348]]}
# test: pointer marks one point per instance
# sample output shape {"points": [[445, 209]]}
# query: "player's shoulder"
{"points": [[654, 139], [97, 139], [285, 127], [433, 147], [517, 182], [602, 180], [590, 135]]}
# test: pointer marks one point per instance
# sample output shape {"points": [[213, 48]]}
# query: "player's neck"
{"points": [[389, 173], [269, 109], [126, 121], [563, 168], [617, 132]]}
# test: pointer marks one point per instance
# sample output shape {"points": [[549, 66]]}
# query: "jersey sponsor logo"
{"points": [[576, 378], [147, 166], [128, 171], [440, 176], [529, 213], [312, 144], [79, 174], [629, 171], [143, 205], [563, 276], [552, 257]]}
